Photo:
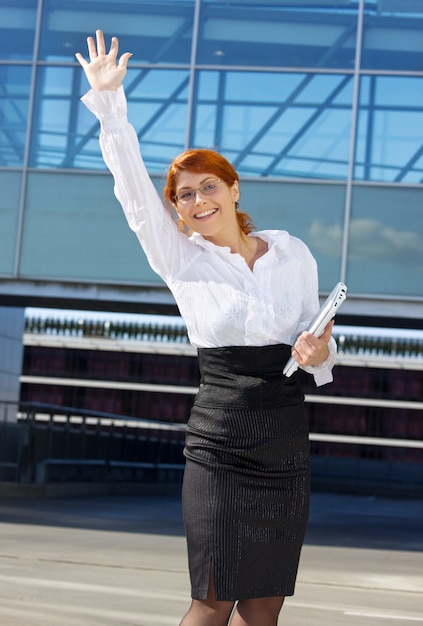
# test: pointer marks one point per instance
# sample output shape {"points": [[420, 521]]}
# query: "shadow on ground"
{"points": [[335, 519]]}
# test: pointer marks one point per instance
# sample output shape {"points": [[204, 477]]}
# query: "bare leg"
{"points": [[257, 612], [208, 612]]}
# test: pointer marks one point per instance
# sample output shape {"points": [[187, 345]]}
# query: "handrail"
{"points": [[57, 413], [56, 409], [62, 443], [396, 347], [180, 389]]}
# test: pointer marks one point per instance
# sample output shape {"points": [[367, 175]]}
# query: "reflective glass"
{"points": [[295, 125], [17, 29], [155, 31], [313, 212], [10, 185], [390, 123], [75, 229], [14, 96], [65, 133], [393, 35], [386, 241], [278, 33]]}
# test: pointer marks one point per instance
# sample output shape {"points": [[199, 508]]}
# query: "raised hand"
{"points": [[104, 72]]}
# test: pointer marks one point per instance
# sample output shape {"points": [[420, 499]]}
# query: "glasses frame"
{"points": [[196, 191]]}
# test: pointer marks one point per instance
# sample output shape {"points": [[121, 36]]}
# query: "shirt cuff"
{"points": [[323, 373], [109, 107]]}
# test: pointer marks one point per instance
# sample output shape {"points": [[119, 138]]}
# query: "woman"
{"points": [[245, 297]]}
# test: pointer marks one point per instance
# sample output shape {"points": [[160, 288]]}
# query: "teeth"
{"points": [[204, 213]]}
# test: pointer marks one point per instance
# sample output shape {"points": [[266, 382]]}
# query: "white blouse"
{"points": [[221, 300]]}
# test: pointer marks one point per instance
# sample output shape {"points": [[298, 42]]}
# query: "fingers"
{"points": [[102, 70], [327, 332], [98, 48], [123, 61], [101, 46], [311, 350], [81, 59], [114, 47], [92, 51]]}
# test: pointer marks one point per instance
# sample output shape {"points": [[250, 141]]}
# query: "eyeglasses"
{"points": [[188, 197]]}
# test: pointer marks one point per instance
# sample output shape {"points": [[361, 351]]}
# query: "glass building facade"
{"points": [[318, 104]]}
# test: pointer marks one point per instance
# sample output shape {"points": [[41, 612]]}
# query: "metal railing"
{"points": [[359, 346], [353, 438], [10, 442], [42, 444], [61, 444]]}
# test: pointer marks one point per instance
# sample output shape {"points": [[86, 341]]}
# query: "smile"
{"points": [[206, 213]]}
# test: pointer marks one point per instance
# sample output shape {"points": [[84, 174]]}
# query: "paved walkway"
{"points": [[120, 561]]}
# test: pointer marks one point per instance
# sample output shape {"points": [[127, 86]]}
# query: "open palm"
{"points": [[103, 71]]}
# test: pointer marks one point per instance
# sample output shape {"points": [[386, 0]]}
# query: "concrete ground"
{"points": [[120, 560]]}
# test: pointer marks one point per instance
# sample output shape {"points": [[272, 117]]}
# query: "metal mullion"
{"points": [[220, 110], [353, 140], [370, 127], [190, 125], [25, 165], [73, 121]]}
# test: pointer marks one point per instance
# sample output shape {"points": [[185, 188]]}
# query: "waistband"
{"points": [[246, 376]]}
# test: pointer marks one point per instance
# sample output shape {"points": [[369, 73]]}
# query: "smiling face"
{"points": [[211, 210]]}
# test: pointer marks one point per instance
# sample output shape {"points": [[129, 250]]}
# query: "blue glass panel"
{"points": [[295, 125], [77, 231], [389, 140], [10, 185], [17, 29], [282, 33], [314, 212], [14, 96], [393, 35], [65, 133], [386, 241], [158, 109], [155, 31]]}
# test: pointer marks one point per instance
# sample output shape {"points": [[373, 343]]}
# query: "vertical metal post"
{"points": [[353, 141], [191, 86], [25, 165]]}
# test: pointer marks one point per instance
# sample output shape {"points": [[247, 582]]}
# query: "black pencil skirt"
{"points": [[247, 478]]}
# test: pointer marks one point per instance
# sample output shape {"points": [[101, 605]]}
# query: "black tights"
{"points": [[252, 612]]}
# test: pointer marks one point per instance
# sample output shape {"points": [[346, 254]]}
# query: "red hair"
{"points": [[210, 162]]}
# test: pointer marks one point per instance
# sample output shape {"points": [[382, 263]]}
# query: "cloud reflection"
{"points": [[370, 240]]}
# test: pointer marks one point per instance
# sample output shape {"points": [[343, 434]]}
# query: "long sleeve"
{"points": [[221, 300], [166, 248], [322, 373]]}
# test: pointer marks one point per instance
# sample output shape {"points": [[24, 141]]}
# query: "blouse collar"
{"points": [[275, 239]]}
